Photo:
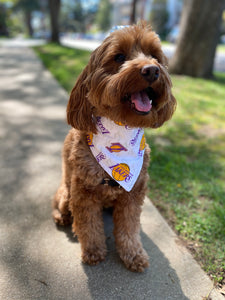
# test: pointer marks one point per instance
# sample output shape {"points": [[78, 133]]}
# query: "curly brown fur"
{"points": [[115, 71]]}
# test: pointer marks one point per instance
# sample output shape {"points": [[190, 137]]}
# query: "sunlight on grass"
{"points": [[187, 170], [221, 48], [64, 63]]}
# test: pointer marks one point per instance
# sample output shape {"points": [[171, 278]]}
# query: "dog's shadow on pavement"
{"points": [[111, 280], [108, 224], [68, 231]]}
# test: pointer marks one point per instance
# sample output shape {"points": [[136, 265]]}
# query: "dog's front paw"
{"points": [[93, 256], [136, 261]]}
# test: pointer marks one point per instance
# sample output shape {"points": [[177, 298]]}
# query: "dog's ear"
{"points": [[79, 109]]}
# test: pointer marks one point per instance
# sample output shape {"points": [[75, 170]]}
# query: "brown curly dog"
{"points": [[124, 88]]}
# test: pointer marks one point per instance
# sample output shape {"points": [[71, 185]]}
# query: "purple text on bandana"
{"points": [[101, 126], [134, 140], [140, 153], [128, 178], [100, 156]]}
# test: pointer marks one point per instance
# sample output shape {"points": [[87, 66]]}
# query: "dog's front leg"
{"points": [[88, 226], [127, 234]]}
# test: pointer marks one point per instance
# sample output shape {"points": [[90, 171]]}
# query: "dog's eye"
{"points": [[120, 58]]}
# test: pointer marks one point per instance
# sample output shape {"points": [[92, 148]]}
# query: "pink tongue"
{"points": [[141, 101]]}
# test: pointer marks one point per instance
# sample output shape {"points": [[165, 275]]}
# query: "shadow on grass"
{"points": [[219, 77]]}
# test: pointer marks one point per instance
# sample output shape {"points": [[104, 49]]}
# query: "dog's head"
{"points": [[125, 80]]}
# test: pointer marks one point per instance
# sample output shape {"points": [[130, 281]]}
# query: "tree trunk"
{"points": [[133, 12], [199, 35], [28, 23], [54, 7], [3, 20]]}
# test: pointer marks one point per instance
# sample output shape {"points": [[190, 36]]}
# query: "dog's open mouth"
{"points": [[141, 102]]}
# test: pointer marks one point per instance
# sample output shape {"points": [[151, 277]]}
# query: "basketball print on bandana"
{"points": [[89, 139], [142, 144], [119, 150], [121, 172]]}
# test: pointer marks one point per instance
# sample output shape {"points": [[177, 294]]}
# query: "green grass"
{"points": [[64, 63], [221, 48], [187, 170]]}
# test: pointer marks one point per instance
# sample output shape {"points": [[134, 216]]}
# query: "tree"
{"points": [[3, 20], [159, 17], [199, 35], [103, 15], [27, 7], [133, 11], [54, 7], [79, 16], [72, 17]]}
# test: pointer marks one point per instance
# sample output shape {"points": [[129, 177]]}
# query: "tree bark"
{"points": [[3, 17], [199, 35], [54, 7], [133, 12], [28, 23]]}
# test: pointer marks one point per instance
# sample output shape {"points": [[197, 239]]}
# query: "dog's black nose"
{"points": [[150, 73]]}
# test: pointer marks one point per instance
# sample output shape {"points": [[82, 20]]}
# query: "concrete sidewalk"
{"points": [[39, 260]]}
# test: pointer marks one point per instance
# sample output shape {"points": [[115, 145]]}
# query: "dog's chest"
{"points": [[119, 150]]}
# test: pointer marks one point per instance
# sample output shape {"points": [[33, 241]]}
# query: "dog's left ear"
{"points": [[79, 109]]}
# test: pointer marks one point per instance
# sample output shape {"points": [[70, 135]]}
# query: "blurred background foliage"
{"points": [[31, 17], [190, 23]]}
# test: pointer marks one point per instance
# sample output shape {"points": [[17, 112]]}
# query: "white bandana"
{"points": [[119, 150]]}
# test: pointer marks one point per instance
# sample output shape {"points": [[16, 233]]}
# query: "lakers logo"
{"points": [[90, 139], [142, 144], [121, 172], [116, 147]]}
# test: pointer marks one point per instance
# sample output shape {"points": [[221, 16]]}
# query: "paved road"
{"points": [[219, 64], [41, 261]]}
